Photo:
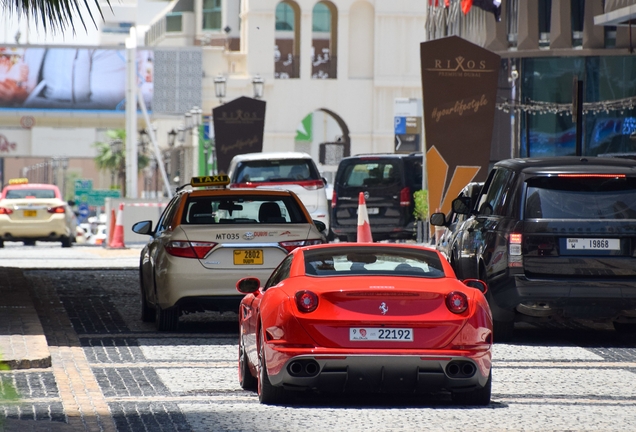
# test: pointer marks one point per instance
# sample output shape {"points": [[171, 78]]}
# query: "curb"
{"points": [[22, 341]]}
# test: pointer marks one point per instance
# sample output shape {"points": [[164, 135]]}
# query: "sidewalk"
{"points": [[22, 341]]}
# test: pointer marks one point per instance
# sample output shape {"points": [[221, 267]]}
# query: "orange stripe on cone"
{"points": [[364, 229], [118, 234]]}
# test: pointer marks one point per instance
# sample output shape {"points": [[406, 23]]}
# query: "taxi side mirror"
{"points": [[320, 225], [248, 285], [143, 228]]}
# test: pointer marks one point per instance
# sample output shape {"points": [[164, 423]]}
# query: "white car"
{"points": [[292, 171]]}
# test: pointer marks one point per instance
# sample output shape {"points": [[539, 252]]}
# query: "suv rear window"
{"points": [[581, 198], [370, 173], [279, 170]]}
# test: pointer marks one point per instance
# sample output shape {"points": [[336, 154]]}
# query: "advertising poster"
{"points": [[238, 129], [459, 86], [57, 78]]}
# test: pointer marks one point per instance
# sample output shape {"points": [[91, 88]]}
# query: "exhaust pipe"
{"points": [[460, 369], [303, 368]]}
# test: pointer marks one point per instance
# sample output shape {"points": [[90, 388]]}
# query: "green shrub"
{"points": [[421, 205]]}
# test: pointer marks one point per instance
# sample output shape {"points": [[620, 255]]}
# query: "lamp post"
{"points": [[259, 85], [219, 87]]}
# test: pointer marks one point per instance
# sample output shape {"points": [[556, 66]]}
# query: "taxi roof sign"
{"points": [[15, 181], [213, 180]]}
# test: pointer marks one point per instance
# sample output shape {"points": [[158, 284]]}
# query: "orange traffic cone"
{"points": [[364, 229], [111, 228], [118, 234]]}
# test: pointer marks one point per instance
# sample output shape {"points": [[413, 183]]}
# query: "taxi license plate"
{"points": [[30, 213], [248, 256], [593, 244], [381, 334]]}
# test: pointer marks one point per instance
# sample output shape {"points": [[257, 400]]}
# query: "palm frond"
{"points": [[54, 15]]}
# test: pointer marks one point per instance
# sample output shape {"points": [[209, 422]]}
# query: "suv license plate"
{"points": [[248, 256], [593, 244], [381, 334], [30, 213], [371, 210]]}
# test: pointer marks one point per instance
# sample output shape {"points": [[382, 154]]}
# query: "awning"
{"points": [[619, 17]]}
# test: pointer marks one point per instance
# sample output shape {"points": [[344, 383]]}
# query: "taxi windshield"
{"points": [[29, 193], [258, 209]]}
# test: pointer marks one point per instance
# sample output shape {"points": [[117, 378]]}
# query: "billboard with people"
{"points": [[39, 77]]}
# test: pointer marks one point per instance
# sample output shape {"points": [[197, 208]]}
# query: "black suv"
{"points": [[388, 182], [554, 238]]}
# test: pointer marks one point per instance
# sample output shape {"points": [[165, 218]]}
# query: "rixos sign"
{"points": [[460, 67]]}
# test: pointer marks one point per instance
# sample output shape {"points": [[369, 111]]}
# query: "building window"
{"points": [[545, 15], [285, 17], [212, 15], [173, 22], [321, 18]]}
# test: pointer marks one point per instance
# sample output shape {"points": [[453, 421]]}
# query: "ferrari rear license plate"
{"points": [[248, 256], [30, 213], [381, 334], [593, 244]]}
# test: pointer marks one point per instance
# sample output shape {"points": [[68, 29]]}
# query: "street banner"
{"points": [[238, 129], [459, 86]]}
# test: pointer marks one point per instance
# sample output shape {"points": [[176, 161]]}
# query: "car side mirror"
{"points": [[71, 203], [320, 225], [438, 219], [143, 228], [477, 284], [461, 205], [248, 285]]}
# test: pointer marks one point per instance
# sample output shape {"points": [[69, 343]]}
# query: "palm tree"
{"points": [[111, 156], [55, 15]]}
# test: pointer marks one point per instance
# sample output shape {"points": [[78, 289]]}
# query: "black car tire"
{"points": [[479, 397], [66, 242], [625, 328], [1, 243], [246, 379], [267, 393], [29, 242], [166, 319], [147, 312]]}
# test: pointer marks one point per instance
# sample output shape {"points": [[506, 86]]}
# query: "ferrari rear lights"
{"points": [[186, 249], [5, 211], [291, 245], [514, 250], [303, 368], [456, 301], [405, 197], [54, 210], [306, 301], [460, 369]]}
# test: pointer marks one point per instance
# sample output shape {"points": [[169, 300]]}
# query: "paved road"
{"points": [[112, 372]]}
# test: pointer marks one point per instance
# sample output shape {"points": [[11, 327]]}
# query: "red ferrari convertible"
{"points": [[365, 317]]}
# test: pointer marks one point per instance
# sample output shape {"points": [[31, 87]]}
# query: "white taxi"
{"points": [[210, 236], [35, 212]]}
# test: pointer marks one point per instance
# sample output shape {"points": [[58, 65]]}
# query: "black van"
{"points": [[388, 181]]}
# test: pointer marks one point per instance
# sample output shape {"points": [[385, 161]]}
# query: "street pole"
{"points": [[131, 115]]}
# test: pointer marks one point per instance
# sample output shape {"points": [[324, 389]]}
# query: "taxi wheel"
{"points": [[29, 242], [479, 397], [267, 393], [1, 243], [246, 379], [147, 312], [166, 319], [66, 242]]}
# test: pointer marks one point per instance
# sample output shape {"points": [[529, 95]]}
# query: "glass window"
{"points": [[355, 261], [280, 274], [173, 22], [276, 170], [284, 17], [30, 193], [168, 215], [545, 15], [212, 15], [321, 21], [243, 209], [581, 198], [369, 173], [494, 201]]}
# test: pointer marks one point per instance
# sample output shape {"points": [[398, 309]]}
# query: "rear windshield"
{"points": [[30, 193], [277, 170], [352, 261], [241, 210], [581, 198], [370, 173]]}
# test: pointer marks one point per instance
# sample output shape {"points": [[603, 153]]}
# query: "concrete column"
{"points": [[593, 35], [131, 115], [497, 32], [343, 44], [622, 36], [528, 25], [305, 43], [561, 24]]}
